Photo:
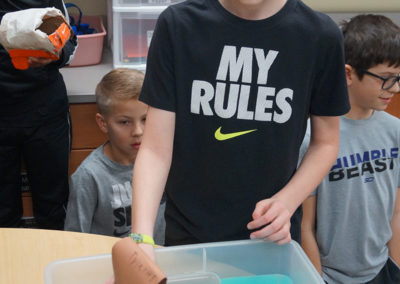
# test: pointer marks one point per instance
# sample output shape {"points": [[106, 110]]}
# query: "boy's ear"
{"points": [[349, 74], [101, 122]]}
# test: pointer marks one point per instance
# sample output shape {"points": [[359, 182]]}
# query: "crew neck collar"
{"points": [[254, 24], [360, 121]]}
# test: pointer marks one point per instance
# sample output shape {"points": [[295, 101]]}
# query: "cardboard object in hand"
{"points": [[131, 265], [33, 33]]}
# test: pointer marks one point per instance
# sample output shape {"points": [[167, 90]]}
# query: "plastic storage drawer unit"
{"points": [[244, 262], [132, 32]]}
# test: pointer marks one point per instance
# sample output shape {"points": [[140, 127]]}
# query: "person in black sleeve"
{"points": [[230, 86], [34, 127]]}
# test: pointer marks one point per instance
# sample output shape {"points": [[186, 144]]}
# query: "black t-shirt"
{"points": [[242, 92]]}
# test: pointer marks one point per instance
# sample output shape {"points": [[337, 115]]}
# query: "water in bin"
{"points": [[200, 278], [212, 278], [259, 279]]}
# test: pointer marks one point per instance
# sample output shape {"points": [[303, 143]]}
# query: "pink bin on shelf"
{"points": [[90, 47]]}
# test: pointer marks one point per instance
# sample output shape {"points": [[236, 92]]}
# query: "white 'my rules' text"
{"points": [[229, 97]]}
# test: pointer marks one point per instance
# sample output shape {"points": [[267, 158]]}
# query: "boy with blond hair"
{"points": [[100, 193], [351, 223]]}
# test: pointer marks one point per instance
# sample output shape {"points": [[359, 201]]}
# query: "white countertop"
{"points": [[81, 82]]}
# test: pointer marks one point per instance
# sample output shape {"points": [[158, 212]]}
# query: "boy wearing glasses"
{"points": [[351, 223]]}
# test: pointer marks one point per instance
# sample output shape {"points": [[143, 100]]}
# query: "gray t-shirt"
{"points": [[100, 199], [355, 201]]}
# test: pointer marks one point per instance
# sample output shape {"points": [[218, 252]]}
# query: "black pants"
{"points": [[45, 150], [389, 274]]}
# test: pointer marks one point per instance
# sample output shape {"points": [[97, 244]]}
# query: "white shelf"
{"points": [[81, 81]]}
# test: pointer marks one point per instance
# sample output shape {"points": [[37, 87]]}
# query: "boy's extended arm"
{"points": [[394, 243], [308, 239], [277, 210], [151, 169]]}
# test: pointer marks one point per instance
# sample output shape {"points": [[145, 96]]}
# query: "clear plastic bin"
{"points": [[209, 263], [132, 32]]}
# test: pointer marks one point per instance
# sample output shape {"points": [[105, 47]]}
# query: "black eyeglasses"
{"points": [[387, 82]]}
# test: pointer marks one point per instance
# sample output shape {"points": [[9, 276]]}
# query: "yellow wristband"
{"points": [[142, 238]]}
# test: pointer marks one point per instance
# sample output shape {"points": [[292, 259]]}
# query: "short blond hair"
{"points": [[118, 84]]}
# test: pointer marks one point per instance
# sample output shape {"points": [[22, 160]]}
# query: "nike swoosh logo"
{"points": [[118, 234], [225, 136]]}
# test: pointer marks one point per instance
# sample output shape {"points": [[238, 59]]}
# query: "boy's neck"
{"points": [[358, 113], [253, 9], [116, 156]]}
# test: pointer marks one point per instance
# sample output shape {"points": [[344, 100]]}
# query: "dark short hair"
{"points": [[370, 40]]}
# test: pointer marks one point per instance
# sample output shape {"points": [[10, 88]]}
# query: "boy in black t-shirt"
{"points": [[230, 86]]}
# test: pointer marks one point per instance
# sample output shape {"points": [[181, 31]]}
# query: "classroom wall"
{"points": [[354, 5], [90, 7], [99, 7]]}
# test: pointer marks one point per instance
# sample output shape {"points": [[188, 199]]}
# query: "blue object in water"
{"points": [[259, 279]]}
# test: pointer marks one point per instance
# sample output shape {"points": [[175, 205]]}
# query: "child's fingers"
{"points": [[281, 234], [261, 207], [280, 223], [284, 241], [263, 220], [267, 212], [37, 62]]}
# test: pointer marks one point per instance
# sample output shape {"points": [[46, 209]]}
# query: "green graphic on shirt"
{"points": [[225, 136]]}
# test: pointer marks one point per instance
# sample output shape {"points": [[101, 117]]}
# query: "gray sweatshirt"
{"points": [[100, 199]]}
